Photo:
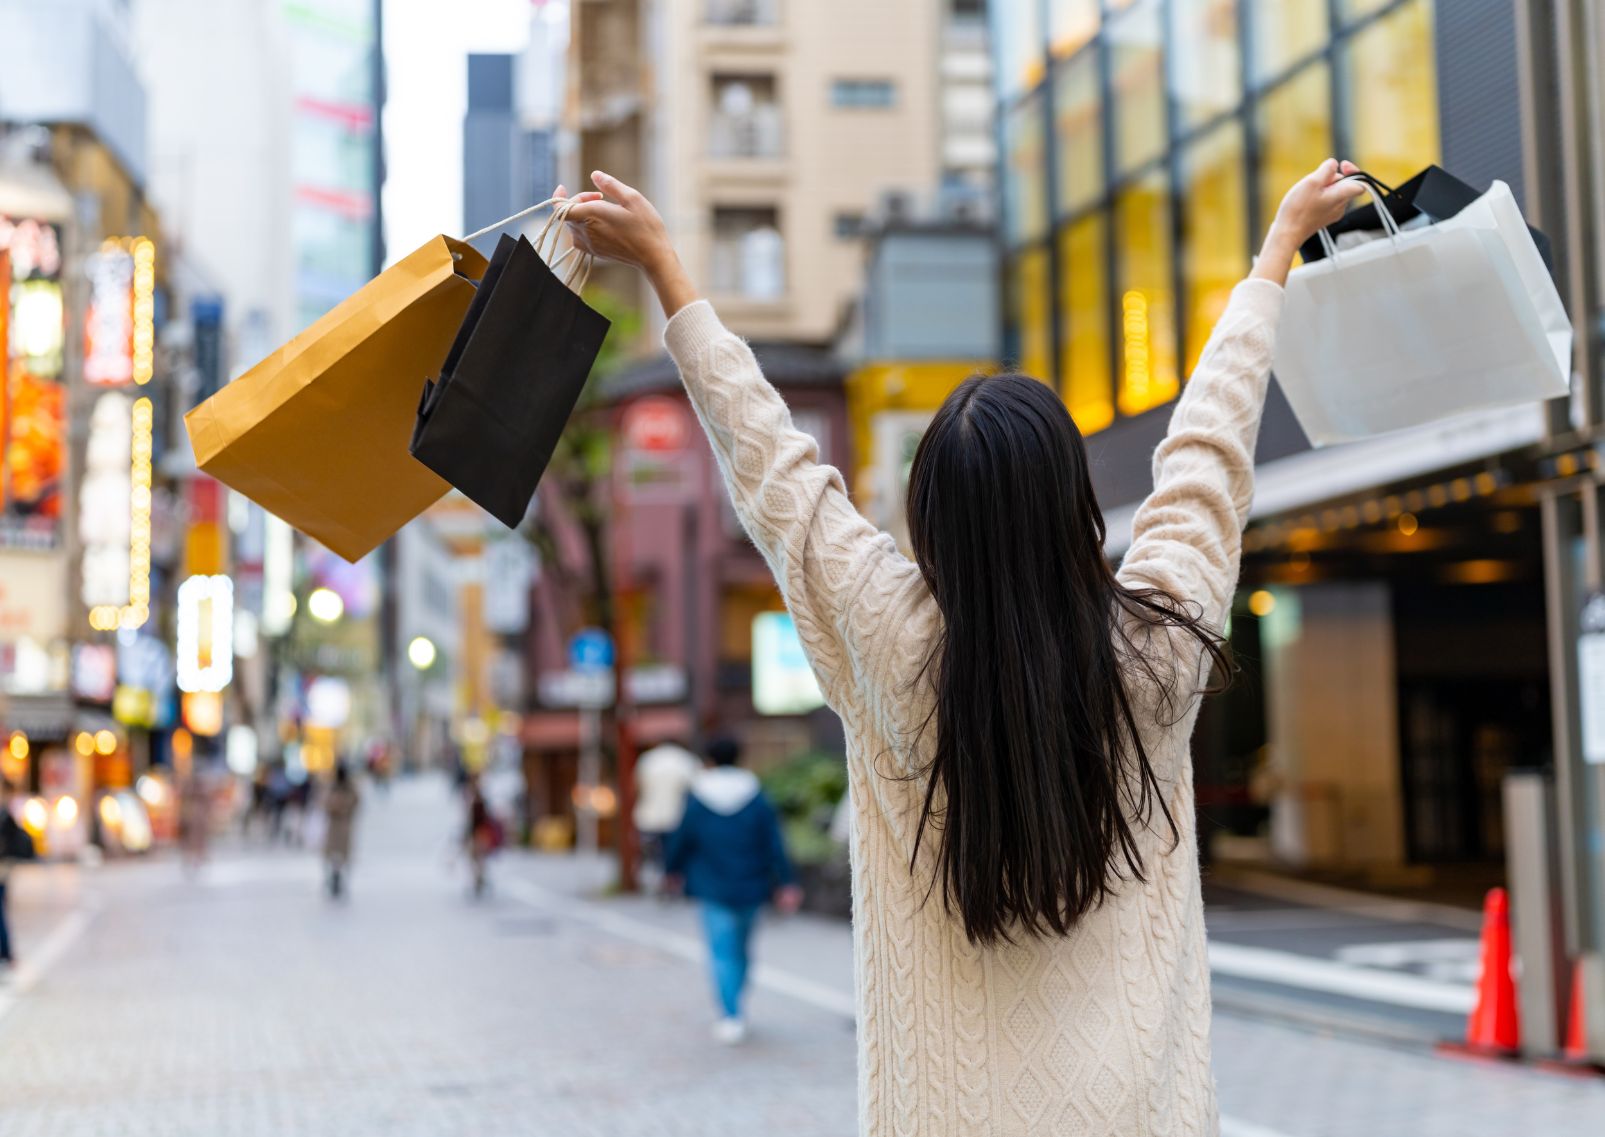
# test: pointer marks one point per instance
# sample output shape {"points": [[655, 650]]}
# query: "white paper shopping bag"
{"points": [[1423, 324]]}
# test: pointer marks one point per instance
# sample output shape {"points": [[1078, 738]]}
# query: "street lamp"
{"points": [[325, 605], [421, 653]]}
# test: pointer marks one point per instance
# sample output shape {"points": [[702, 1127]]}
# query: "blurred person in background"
{"points": [[16, 844], [194, 820], [277, 791], [1017, 712], [340, 817], [728, 854], [663, 777], [482, 836]]}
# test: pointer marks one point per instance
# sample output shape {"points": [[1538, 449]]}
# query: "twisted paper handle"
{"points": [[580, 272]]}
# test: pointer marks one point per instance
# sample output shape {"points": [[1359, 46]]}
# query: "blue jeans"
{"points": [[729, 933]]}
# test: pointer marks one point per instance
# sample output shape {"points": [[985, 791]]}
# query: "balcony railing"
{"points": [[749, 134], [744, 13]]}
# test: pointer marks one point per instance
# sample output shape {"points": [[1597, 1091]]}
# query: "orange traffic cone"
{"points": [[1576, 1046], [1493, 1027]]}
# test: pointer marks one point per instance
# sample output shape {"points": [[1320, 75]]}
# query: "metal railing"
{"points": [[744, 13], [750, 134]]}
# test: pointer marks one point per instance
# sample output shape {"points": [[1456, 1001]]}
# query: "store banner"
{"points": [[32, 396]]}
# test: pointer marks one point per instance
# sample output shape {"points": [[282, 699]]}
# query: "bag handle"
{"points": [[577, 276], [1380, 190]]}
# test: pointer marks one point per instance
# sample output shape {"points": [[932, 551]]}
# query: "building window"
{"points": [[1295, 134], [746, 117], [1026, 199], [1283, 32], [849, 226], [1079, 123], [1074, 23], [1018, 28], [760, 13], [1393, 94], [1214, 206], [1145, 296], [748, 254], [1138, 82], [1028, 305], [1206, 71], [1084, 377], [862, 94]]}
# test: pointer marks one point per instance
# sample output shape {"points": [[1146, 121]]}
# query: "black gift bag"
{"points": [[490, 422], [1434, 193]]}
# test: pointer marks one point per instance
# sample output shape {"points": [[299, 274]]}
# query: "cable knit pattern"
{"points": [[1104, 1032]]}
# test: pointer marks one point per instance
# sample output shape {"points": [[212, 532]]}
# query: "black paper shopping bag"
{"points": [[1434, 194], [490, 422]]}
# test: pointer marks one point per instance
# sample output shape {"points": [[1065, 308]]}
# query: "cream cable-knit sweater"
{"points": [[1104, 1032]]}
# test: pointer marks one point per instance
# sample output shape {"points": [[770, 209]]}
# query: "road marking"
{"points": [[46, 954], [1349, 900], [1231, 1127], [1311, 974]]}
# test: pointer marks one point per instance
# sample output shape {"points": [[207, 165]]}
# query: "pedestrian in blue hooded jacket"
{"points": [[729, 853]]}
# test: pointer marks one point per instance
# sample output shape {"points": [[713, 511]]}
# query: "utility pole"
{"points": [[1559, 47]]}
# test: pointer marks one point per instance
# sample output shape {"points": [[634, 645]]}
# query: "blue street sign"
{"points": [[590, 649]]}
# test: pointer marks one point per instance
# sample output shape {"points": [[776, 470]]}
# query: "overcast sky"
{"points": [[427, 43]]}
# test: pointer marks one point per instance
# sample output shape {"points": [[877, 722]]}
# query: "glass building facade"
{"points": [[1146, 145]]}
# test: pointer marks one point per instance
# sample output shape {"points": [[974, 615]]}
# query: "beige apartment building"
{"points": [[768, 130]]}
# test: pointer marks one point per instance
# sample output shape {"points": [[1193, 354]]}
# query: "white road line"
{"points": [[1335, 978], [1231, 1127], [1349, 900], [46, 954]]}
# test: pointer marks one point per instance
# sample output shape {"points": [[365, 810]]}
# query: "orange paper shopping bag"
{"points": [[317, 433]]}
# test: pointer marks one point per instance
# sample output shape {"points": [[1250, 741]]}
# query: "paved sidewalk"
{"points": [[242, 1004]]}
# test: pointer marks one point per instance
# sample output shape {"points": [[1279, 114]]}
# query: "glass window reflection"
{"points": [[1145, 296], [1138, 82], [1206, 72], [1393, 93], [1084, 376], [1215, 231], [1079, 125]]}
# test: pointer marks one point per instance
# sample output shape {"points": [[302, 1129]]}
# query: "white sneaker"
{"points": [[730, 1032]]}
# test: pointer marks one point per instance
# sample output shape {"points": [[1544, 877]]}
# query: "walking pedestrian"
{"points": [[340, 815], [482, 836], [16, 844], [1027, 911], [663, 777], [194, 821], [729, 853]]}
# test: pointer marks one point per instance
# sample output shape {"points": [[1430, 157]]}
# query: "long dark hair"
{"points": [[1040, 781]]}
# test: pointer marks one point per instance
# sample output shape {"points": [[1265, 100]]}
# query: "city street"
{"points": [[242, 1003]]}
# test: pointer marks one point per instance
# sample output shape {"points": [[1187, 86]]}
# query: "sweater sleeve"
{"points": [[837, 573], [1187, 534]]}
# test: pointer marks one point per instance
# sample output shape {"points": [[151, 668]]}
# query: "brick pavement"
{"points": [[243, 1005]]}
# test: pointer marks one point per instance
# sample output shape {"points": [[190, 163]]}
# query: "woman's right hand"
{"points": [[1315, 201], [620, 224]]}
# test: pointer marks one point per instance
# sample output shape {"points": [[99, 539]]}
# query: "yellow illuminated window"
{"points": [[1084, 324], [1144, 297], [1283, 32], [1080, 129], [1394, 91], [1205, 73], [1020, 47], [1138, 82], [1074, 22], [1215, 228], [1029, 302], [1027, 182], [1295, 134]]}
